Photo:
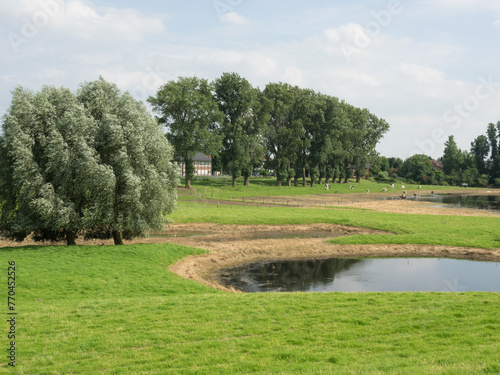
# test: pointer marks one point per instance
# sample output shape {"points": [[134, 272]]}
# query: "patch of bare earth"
{"points": [[231, 246]]}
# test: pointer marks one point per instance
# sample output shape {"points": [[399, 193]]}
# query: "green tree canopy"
{"points": [[451, 156], [419, 169], [59, 181], [192, 118], [130, 141], [242, 126], [480, 150]]}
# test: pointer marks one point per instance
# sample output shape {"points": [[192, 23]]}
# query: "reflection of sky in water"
{"points": [[390, 274]]}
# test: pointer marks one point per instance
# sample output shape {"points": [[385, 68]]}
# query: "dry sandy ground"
{"points": [[232, 245]]}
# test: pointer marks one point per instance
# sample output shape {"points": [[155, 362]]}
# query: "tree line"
{"points": [[95, 163], [479, 166], [297, 131]]}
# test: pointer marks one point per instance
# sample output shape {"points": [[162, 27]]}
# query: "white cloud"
{"points": [[235, 18], [109, 24], [421, 73], [75, 18], [408, 77]]}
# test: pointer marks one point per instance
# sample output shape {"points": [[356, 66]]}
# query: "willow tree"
{"points": [[52, 183], [130, 142], [97, 164], [192, 118]]}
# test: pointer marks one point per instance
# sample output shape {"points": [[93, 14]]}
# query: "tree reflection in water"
{"points": [[286, 276]]}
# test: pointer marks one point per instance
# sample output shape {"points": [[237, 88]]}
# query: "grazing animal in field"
{"points": [[420, 186], [327, 186], [402, 186], [384, 190], [351, 187], [391, 185], [367, 190]]}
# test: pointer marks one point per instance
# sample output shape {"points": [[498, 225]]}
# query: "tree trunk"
{"points": [[247, 181], [327, 181], [320, 180], [70, 238], [311, 175], [358, 178], [346, 180], [187, 185], [278, 181], [304, 182], [288, 181], [234, 181], [340, 179], [117, 237], [295, 181]]}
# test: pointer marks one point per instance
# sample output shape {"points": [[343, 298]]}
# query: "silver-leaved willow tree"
{"points": [[95, 164]]}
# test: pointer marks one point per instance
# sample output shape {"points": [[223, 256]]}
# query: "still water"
{"points": [[366, 275], [483, 202]]}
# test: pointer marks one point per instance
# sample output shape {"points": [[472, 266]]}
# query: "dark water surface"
{"points": [[483, 202], [366, 275]]}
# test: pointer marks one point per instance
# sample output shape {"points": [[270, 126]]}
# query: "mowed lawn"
{"points": [[118, 310]]}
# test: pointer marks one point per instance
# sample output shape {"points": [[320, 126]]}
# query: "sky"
{"points": [[430, 68]]}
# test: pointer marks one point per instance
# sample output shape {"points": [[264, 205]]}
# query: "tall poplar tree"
{"points": [[243, 122], [192, 119]]}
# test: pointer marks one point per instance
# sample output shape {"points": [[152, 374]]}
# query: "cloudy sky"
{"points": [[431, 68]]}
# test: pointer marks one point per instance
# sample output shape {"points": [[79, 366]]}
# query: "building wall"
{"points": [[201, 168]]}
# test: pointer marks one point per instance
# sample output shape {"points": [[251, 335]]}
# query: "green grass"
{"points": [[221, 189], [118, 310], [482, 232]]}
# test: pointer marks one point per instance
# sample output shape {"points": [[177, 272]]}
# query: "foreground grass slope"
{"points": [[118, 310]]}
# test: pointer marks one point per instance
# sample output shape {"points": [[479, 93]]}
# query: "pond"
{"points": [[484, 202], [366, 275]]}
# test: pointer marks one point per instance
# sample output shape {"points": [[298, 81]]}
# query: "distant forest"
{"points": [[479, 166], [297, 132]]}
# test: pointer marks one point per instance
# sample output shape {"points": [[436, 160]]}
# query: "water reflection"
{"points": [[483, 202], [364, 275]]}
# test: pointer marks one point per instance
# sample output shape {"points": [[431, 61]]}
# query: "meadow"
{"points": [[119, 310], [221, 188]]}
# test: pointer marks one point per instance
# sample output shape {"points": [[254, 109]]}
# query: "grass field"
{"points": [[480, 232], [221, 189], [119, 310]]}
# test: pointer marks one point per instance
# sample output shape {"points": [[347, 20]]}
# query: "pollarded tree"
{"points": [[243, 121], [130, 142], [192, 118], [52, 183], [284, 131]]}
